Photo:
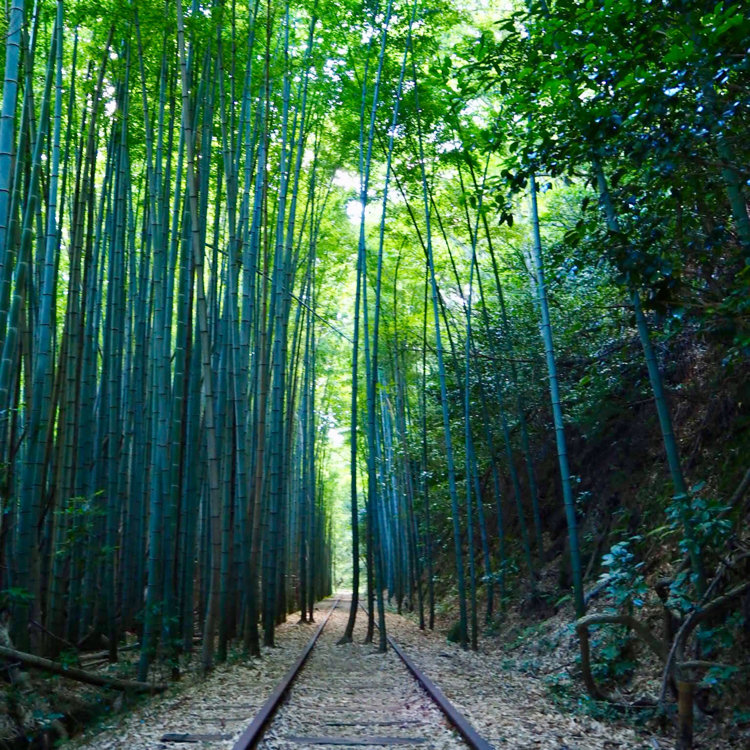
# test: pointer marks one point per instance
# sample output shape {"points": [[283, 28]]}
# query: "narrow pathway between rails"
{"points": [[352, 696]]}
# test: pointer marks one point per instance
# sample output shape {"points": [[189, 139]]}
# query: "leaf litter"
{"points": [[352, 691]]}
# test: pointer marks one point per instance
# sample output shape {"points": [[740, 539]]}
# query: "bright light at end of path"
{"points": [[347, 180], [336, 437], [354, 212], [350, 182]]}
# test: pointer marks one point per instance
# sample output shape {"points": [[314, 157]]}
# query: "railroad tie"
{"points": [[195, 738], [358, 741]]}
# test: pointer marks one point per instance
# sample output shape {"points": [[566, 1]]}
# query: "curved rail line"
{"points": [[253, 734]]}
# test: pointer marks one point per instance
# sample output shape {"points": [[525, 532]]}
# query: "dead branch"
{"points": [[37, 662], [642, 631]]}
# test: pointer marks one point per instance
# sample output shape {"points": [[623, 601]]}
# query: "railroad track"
{"points": [[346, 696]]}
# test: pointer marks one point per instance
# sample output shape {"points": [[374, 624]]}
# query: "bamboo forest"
{"points": [[439, 306]]}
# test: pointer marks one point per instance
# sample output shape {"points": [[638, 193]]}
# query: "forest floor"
{"points": [[522, 689], [510, 704]]}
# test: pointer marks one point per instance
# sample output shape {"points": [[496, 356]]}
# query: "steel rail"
{"points": [[249, 738], [454, 716]]}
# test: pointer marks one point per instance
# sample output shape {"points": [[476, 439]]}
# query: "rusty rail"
{"points": [[249, 738], [454, 716]]}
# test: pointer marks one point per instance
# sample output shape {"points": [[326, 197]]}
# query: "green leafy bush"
{"points": [[625, 583]]}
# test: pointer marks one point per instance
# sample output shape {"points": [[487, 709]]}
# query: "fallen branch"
{"points": [[656, 645], [37, 662], [94, 657], [582, 628]]}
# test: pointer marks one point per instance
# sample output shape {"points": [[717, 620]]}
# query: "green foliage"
{"points": [[706, 516], [613, 649], [710, 529], [15, 595], [81, 514], [590, 86], [560, 688], [625, 583], [716, 639], [563, 692], [718, 678]]}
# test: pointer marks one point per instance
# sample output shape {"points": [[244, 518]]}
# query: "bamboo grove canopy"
{"points": [[232, 231]]}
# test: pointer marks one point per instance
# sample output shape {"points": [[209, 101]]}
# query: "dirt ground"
{"points": [[517, 693]]}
